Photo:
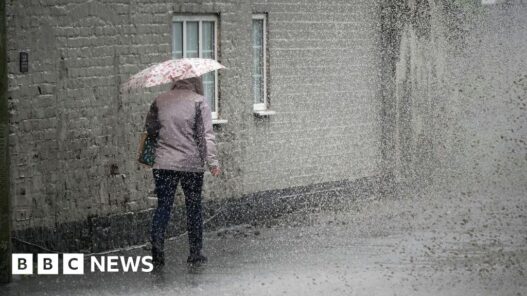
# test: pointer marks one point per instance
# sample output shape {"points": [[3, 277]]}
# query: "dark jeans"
{"points": [[166, 184]]}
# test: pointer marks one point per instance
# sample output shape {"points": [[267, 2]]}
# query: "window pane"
{"points": [[209, 89], [177, 42], [208, 40], [258, 61], [257, 90], [192, 40], [257, 32], [207, 51]]}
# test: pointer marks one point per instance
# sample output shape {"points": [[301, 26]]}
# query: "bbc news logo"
{"points": [[74, 264]]}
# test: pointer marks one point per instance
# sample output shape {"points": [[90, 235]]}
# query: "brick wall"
{"points": [[73, 135], [324, 59], [461, 91]]}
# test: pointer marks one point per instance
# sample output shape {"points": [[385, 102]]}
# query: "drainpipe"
{"points": [[392, 16], [5, 217]]}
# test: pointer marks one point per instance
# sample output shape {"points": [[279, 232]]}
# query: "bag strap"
{"points": [[152, 124], [199, 129]]}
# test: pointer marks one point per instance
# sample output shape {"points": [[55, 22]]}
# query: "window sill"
{"points": [[262, 113], [219, 121]]}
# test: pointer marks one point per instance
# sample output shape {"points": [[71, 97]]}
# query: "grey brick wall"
{"points": [[73, 135], [323, 81]]}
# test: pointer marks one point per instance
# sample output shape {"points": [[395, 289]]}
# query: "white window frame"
{"points": [[200, 19], [262, 106]]}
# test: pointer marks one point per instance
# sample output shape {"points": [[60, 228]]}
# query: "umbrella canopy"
{"points": [[169, 71]]}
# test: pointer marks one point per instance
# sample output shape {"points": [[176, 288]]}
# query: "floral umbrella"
{"points": [[169, 71]]}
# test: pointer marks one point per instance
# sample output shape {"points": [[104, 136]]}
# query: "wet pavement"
{"points": [[449, 242]]}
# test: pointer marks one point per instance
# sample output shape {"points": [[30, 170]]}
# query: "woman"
{"points": [[180, 120]]}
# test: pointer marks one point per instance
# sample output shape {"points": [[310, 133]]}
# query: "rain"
{"points": [[341, 147]]}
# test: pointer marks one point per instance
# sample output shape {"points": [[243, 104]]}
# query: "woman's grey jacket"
{"points": [[182, 122]]}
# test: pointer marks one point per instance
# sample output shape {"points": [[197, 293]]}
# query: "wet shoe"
{"points": [[158, 259], [158, 268], [196, 258]]}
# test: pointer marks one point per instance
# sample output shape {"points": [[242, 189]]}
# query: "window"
{"points": [[259, 69], [196, 37]]}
